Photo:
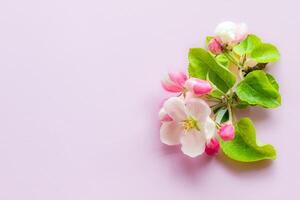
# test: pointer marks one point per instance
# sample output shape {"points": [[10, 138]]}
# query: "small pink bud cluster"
{"points": [[212, 147], [226, 131], [198, 87], [178, 82], [215, 46]]}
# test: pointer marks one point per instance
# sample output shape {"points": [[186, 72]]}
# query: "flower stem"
{"points": [[230, 112], [217, 106], [232, 59]]}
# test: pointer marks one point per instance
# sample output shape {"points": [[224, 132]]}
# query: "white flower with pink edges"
{"points": [[188, 124], [231, 33]]}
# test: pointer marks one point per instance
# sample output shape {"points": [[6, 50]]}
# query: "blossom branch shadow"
{"points": [[256, 113], [241, 167], [185, 167]]}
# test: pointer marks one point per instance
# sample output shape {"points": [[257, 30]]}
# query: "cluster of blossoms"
{"points": [[229, 34], [186, 118], [200, 117]]}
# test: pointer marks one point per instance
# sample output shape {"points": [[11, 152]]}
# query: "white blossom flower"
{"points": [[191, 125], [231, 33]]}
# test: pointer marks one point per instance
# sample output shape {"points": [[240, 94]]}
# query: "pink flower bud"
{"points": [[226, 132], [174, 82], [214, 46], [197, 86], [212, 147]]}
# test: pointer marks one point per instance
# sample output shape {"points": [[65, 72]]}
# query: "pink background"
{"points": [[79, 94]]}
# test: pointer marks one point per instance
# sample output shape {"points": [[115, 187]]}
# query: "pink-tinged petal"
{"points": [[226, 131], [163, 116], [215, 47], [226, 31], [170, 86], [193, 143], [198, 109], [175, 108], [210, 129], [198, 87], [170, 133], [178, 77], [241, 32], [212, 147], [189, 84]]}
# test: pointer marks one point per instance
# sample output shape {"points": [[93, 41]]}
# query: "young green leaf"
{"points": [[256, 89], [265, 53], [215, 93], [222, 60], [247, 45], [244, 147], [203, 65], [197, 72], [273, 81], [238, 103]]}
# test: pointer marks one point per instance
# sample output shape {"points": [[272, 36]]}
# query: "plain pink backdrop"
{"points": [[79, 95]]}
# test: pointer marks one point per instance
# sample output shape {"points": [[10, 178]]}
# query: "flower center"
{"points": [[190, 123]]}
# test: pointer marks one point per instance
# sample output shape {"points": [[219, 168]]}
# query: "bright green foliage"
{"points": [[222, 60], [256, 89], [265, 53], [216, 94], [247, 45], [273, 81], [244, 147], [204, 66]]}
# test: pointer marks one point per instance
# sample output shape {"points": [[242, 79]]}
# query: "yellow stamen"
{"points": [[190, 123]]}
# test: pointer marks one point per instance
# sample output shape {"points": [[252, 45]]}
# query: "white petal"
{"points": [[162, 113], [198, 108], [242, 29], [170, 133], [226, 31], [163, 116], [210, 129], [175, 107], [193, 143]]}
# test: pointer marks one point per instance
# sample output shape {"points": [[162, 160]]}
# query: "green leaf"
{"points": [[256, 89], [222, 60], [244, 147], [241, 105], [238, 103], [197, 72], [273, 81], [203, 65], [247, 45], [222, 115], [265, 53], [216, 94]]}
